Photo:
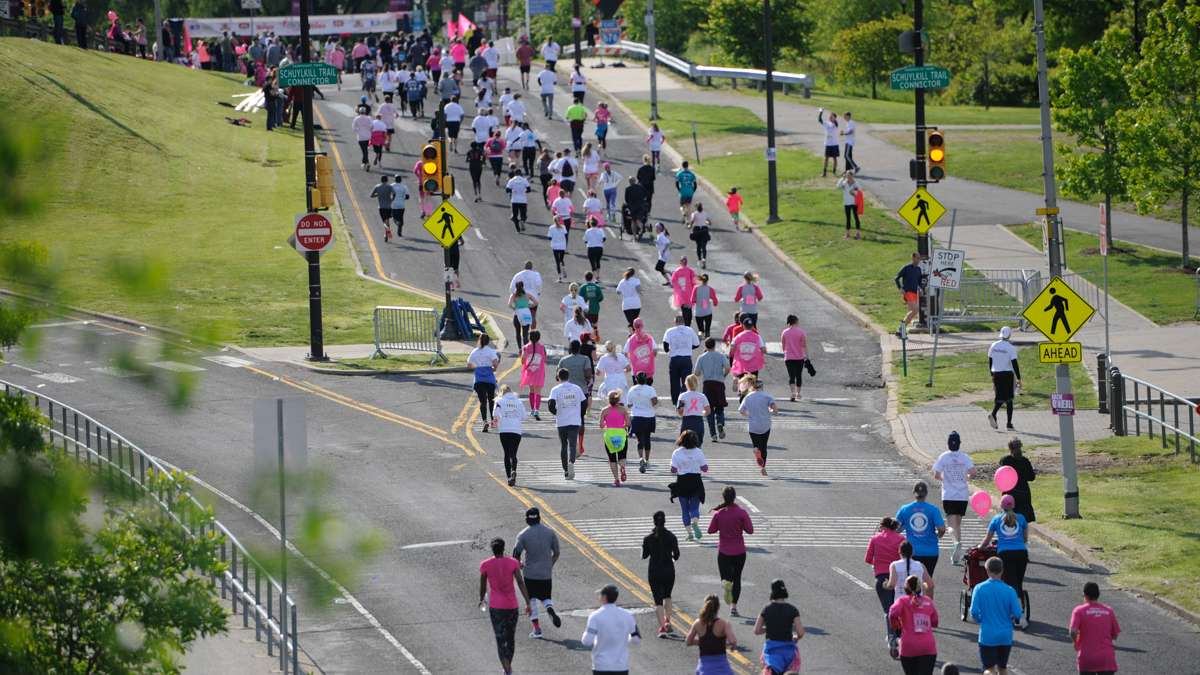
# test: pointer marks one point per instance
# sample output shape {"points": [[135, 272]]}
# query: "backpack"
{"points": [[567, 170]]}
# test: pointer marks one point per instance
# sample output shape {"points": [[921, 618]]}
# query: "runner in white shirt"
{"points": [[550, 52], [610, 631], [593, 238], [572, 300], [507, 418], [906, 567], [485, 86], [562, 208], [566, 404], [578, 84], [388, 81], [641, 399], [362, 133], [576, 326], [492, 56], [630, 290], [662, 243], [954, 468], [447, 64], [505, 99], [558, 246], [516, 109], [518, 190], [483, 125], [655, 140], [532, 280], [547, 80], [614, 366], [388, 112], [679, 341], [453, 113], [514, 142]]}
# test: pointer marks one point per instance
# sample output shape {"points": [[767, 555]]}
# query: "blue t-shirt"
{"points": [[920, 521], [995, 606], [1008, 538], [687, 183]]}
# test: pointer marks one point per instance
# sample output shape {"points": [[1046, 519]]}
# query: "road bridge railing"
{"points": [[1147, 406]]}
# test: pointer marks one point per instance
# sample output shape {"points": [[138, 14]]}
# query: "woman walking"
{"points": [[378, 138], [713, 635], [748, 351], [610, 181], [630, 290], [614, 366], [795, 354], [593, 209], [730, 523], [508, 416], [914, 616], [749, 295], [689, 465], [1026, 474], [882, 550], [703, 301], [590, 157], [850, 202], [699, 223], [641, 350], [475, 161], [661, 548], [485, 359], [533, 371], [693, 407], [780, 622], [522, 305], [655, 140], [497, 575], [614, 426], [557, 234], [1012, 546], [642, 399]]}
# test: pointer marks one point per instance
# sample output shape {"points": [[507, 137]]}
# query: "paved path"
{"points": [[885, 171]]}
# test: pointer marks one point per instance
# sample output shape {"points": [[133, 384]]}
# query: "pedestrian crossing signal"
{"points": [[936, 154], [431, 168]]}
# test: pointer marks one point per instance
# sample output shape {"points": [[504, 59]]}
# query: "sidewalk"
{"points": [[236, 651], [886, 166]]}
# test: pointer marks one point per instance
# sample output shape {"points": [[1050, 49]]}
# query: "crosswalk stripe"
{"points": [[594, 471]]}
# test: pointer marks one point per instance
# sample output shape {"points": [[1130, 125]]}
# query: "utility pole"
{"points": [[772, 181], [653, 60], [316, 334], [1062, 372], [528, 34], [919, 98], [577, 24], [158, 28]]}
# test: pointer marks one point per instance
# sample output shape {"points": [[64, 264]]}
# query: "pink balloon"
{"points": [[1005, 478], [981, 503]]}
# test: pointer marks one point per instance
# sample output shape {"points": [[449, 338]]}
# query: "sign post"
{"points": [[1104, 234], [316, 333]]}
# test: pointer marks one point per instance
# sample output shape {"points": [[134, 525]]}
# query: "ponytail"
{"points": [[912, 585], [1010, 518]]}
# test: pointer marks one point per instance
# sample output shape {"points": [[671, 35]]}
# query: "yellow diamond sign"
{"points": [[1058, 311], [447, 224], [922, 211]]}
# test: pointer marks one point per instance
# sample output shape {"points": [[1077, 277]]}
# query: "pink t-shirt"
{"points": [[615, 419], [883, 550], [1098, 627], [602, 115], [747, 353], [731, 522], [337, 58], [795, 343], [553, 192], [458, 51], [916, 617], [359, 51], [683, 280], [502, 593], [640, 351]]}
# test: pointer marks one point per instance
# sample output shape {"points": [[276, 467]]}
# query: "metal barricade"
{"points": [[987, 296], [408, 329], [242, 583], [1149, 406]]}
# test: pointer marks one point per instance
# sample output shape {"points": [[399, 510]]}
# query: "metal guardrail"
{"points": [[100, 448], [408, 329], [1196, 314], [1142, 409], [997, 295], [693, 71], [24, 27]]}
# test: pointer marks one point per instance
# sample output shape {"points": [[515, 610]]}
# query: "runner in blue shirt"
{"points": [[1012, 537], [995, 606], [923, 525], [685, 182]]}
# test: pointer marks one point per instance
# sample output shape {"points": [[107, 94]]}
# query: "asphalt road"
{"points": [[405, 456]]}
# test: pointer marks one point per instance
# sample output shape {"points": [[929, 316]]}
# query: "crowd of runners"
{"points": [[566, 363]]}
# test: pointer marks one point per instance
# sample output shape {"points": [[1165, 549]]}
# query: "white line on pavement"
{"points": [[830, 348], [25, 368], [858, 582], [435, 544], [176, 366], [750, 507], [479, 234], [229, 361]]}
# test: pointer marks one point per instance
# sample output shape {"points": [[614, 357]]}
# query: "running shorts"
{"points": [[539, 589], [525, 68], [910, 296], [661, 586], [684, 200], [642, 425], [385, 214], [490, 73], [991, 656], [832, 151], [452, 128], [954, 507]]}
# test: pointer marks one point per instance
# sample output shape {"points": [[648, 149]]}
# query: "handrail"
{"points": [[692, 71], [1121, 407], [137, 466]]}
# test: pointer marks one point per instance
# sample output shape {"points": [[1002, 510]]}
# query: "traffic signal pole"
{"points": [[1062, 373], [577, 24], [316, 334], [919, 98]]}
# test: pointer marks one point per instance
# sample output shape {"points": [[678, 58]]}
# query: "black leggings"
{"points": [[631, 314], [559, 260], [759, 441], [545, 178], [686, 312], [522, 332], [849, 153], [852, 209], [1008, 409], [504, 626], [595, 253], [486, 391], [887, 596], [510, 442], [643, 428], [1015, 563], [730, 569], [704, 324], [520, 212], [918, 665], [362, 145], [528, 157], [702, 249], [476, 177]]}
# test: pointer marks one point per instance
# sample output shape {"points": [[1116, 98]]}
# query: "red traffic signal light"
{"points": [[935, 141]]}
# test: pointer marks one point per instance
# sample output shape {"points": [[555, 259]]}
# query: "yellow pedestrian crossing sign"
{"points": [[1058, 311], [921, 210], [447, 224]]}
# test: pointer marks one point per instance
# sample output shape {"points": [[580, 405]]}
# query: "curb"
{"points": [[370, 372]]}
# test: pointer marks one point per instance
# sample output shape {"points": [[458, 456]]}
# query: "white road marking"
{"points": [[59, 378], [177, 367], [479, 234], [830, 348], [457, 193], [829, 400], [26, 368], [595, 472], [858, 582], [113, 371], [749, 507], [436, 544], [56, 324], [229, 361]]}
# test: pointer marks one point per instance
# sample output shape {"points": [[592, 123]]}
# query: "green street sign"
{"points": [[920, 77], [307, 74]]}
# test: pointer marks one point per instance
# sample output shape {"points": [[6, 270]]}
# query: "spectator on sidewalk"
{"points": [[79, 14], [848, 140], [850, 198], [1093, 628], [831, 140], [909, 280]]}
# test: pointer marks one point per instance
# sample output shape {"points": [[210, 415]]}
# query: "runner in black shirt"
{"points": [[662, 548]]}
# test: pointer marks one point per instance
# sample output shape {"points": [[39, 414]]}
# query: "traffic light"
{"points": [[322, 194], [431, 168], [935, 143]]}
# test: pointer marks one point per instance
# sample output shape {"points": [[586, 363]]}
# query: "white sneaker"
{"points": [[992, 421], [956, 555], [571, 472]]}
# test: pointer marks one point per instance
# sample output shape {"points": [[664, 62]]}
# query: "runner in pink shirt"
{"points": [[731, 522], [458, 52], [497, 577], [882, 551], [915, 616], [683, 282], [795, 353], [533, 371], [1093, 628], [747, 350], [641, 350]]}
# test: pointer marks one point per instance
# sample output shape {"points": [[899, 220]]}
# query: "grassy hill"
{"points": [[141, 171]]}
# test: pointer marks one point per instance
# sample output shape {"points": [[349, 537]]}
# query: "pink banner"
{"points": [[329, 24]]}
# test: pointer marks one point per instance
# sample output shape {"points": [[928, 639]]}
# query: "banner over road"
{"points": [[328, 24]]}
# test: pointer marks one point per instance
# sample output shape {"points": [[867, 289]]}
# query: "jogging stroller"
{"points": [[974, 573]]}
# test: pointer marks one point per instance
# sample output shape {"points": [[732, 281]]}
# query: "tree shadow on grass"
{"points": [[98, 110]]}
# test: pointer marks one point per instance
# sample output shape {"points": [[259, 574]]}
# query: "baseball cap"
{"points": [[533, 516], [609, 592]]}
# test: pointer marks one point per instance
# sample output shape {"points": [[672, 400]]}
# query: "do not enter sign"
{"points": [[314, 232]]}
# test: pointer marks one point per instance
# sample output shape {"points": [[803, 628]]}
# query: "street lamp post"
{"points": [[772, 181], [653, 60]]}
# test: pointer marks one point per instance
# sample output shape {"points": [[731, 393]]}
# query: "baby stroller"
{"points": [[974, 573]]}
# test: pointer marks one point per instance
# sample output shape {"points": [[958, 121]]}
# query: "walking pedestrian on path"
{"points": [[547, 81], [693, 407], [508, 416], [614, 366], [882, 550], [523, 306], [566, 401], [645, 178], [914, 616], [399, 197], [614, 425], [592, 295], [494, 149], [524, 56], [909, 280], [630, 290], [497, 576], [387, 112], [533, 371], [995, 607], [610, 181], [795, 354], [733, 204], [518, 190], [641, 350], [642, 399], [848, 139], [749, 295], [1012, 545], [759, 406], [923, 525], [748, 351], [453, 113], [712, 367], [831, 140], [851, 194], [609, 633], [362, 132], [378, 138], [1006, 376], [485, 359], [655, 139], [685, 183], [594, 238], [699, 224], [678, 342], [689, 465], [1025, 475], [590, 156], [662, 243], [576, 115], [581, 372], [661, 549], [780, 622], [683, 282], [954, 468], [578, 84], [703, 302], [713, 635], [539, 544], [384, 193], [730, 523], [557, 234], [601, 116], [1093, 629]]}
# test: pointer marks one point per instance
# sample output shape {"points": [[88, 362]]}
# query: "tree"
{"points": [[736, 26], [831, 18], [674, 22], [868, 52], [1090, 91], [1158, 133], [989, 53]]}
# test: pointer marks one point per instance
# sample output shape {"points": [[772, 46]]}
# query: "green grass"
{"points": [[967, 373], [1146, 279], [879, 111], [712, 121], [399, 363], [1140, 515], [139, 162], [1011, 159]]}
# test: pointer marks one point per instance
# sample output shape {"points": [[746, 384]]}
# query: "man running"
{"points": [[685, 182], [547, 80], [923, 525], [994, 605], [593, 294], [566, 401], [712, 367], [540, 544], [524, 56], [610, 630], [518, 190], [581, 373], [678, 342], [532, 281], [384, 193], [954, 468], [909, 280]]}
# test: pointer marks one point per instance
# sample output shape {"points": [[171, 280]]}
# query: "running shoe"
{"points": [[733, 610], [696, 530], [537, 416], [691, 537], [641, 466], [485, 427], [956, 555], [554, 617], [571, 472], [616, 483], [894, 648], [728, 591], [721, 431], [536, 634], [623, 478], [758, 458], [512, 480], [662, 632], [1010, 427], [992, 421]]}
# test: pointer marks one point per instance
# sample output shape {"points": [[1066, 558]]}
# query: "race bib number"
{"points": [[921, 623], [746, 350], [535, 362], [642, 352]]}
